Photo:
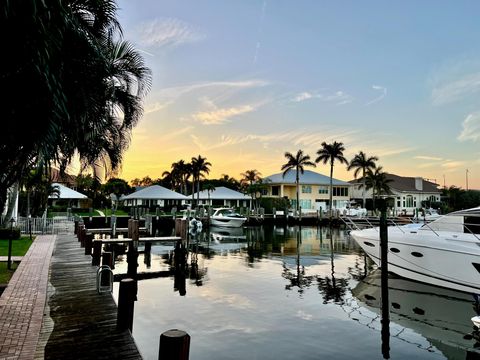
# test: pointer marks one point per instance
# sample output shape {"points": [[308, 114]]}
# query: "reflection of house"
{"points": [[407, 192], [313, 190], [68, 197], [222, 196], [154, 195]]}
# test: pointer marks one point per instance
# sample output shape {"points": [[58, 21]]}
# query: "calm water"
{"points": [[290, 293]]}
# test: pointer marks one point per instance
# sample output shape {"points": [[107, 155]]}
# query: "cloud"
{"points": [[457, 89], [471, 128], [339, 97], [220, 116], [431, 158], [156, 106], [167, 32], [383, 91]]}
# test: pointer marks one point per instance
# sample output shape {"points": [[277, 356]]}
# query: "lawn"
{"points": [[19, 248]]}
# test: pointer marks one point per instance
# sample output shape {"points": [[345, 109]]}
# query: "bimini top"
{"points": [[155, 192], [308, 178]]}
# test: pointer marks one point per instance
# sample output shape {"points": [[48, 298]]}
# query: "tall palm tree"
{"points": [[249, 178], [379, 183], [297, 162], [200, 167], [209, 187], [330, 153], [361, 162]]}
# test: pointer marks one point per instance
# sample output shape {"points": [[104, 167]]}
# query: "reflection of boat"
{"points": [[440, 315], [222, 233], [226, 217], [444, 252]]}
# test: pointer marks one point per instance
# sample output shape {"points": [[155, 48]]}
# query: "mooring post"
{"points": [[181, 228], [79, 232], [97, 252], [107, 259], [384, 279], [174, 345], [88, 244], [83, 234], [75, 227], [132, 256], [126, 300]]}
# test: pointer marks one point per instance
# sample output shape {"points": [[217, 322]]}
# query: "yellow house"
{"points": [[314, 190]]}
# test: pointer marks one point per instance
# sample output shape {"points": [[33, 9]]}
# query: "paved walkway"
{"points": [[51, 309], [23, 301]]}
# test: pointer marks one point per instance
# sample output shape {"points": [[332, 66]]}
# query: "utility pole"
{"points": [[466, 179]]}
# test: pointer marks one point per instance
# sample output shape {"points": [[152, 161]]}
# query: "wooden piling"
{"points": [[132, 255], [181, 228], [174, 345], [83, 235], [88, 244], [126, 300], [107, 259], [97, 252]]}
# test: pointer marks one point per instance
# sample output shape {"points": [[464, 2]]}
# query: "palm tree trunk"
{"points": [[331, 189], [363, 190], [193, 192], [298, 192]]}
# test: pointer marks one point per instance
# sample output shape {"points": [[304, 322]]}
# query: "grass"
{"points": [[19, 248]]}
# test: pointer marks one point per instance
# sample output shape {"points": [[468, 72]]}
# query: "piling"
{"points": [[181, 228], [174, 345], [126, 301], [107, 259], [384, 280], [132, 255], [88, 244], [97, 252]]}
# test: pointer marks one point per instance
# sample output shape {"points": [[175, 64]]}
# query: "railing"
{"points": [[44, 225]]}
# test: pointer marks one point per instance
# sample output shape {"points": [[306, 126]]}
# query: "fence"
{"points": [[44, 225]]}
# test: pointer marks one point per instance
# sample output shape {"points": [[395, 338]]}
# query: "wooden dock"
{"points": [[79, 322]]}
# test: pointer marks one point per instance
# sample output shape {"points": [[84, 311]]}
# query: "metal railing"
{"points": [[42, 225]]}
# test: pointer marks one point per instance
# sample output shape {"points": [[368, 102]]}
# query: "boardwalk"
{"points": [[51, 309]]}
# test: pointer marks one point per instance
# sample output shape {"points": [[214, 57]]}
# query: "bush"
{"points": [[6, 233], [278, 203]]}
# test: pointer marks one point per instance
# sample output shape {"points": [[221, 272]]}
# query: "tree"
{"points": [[116, 186], [330, 153], [85, 87], [249, 178], [297, 162], [361, 162], [200, 167], [209, 187], [377, 181]]}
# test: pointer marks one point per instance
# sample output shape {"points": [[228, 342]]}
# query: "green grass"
{"points": [[19, 247], [6, 274]]}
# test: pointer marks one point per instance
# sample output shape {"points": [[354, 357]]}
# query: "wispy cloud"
{"points": [[470, 128], [168, 32], [220, 116], [453, 165], [339, 97], [382, 90], [428, 158], [156, 106], [456, 89]]}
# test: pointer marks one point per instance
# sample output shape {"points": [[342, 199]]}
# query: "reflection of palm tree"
{"points": [[333, 290]]}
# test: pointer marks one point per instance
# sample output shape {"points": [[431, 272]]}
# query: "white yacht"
{"points": [[227, 217], [444, 252]]}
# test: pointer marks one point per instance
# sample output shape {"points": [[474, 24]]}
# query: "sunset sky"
{"points": [[241, 82]]}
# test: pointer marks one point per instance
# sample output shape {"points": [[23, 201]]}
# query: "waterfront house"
{"points": [[407, 196], [68, 197], [222, 196], [314, 190], [153, 196]]}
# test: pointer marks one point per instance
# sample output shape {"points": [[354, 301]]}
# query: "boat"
{"points": [[442, 316], [227, 217], [444, 252]]}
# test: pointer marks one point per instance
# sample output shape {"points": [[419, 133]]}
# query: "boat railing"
{"points": [[368, 223]]}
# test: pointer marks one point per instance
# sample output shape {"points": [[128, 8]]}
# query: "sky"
{"points": [[242, 82]]}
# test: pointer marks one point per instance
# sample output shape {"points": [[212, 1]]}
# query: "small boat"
{"points": [[227, 217], [444, 252]]}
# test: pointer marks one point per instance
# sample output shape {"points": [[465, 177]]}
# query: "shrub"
{"points": [[6, 233]]}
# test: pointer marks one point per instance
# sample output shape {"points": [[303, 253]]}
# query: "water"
{"points": [[290, 293]]}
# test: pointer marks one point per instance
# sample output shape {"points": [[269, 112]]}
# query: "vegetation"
{"points": [[85, 87], [297, 162], [330, 153], [361, 162], [200, 167], [377, 181], [19, 246]]}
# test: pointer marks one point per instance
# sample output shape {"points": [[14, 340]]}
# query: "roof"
{"points": [[222, 193], [155, 192], [407, 184], [66, 193], [308, 177]]}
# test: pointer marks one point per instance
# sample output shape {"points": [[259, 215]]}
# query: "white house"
{"points": [[154, 195], [314, 190], [73, 197], [222, 196]]}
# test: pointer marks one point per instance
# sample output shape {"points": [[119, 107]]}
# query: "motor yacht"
{"points": [[444, 252], [227, 217]]}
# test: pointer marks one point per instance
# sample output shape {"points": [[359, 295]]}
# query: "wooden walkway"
{"points": [[81, 323]]}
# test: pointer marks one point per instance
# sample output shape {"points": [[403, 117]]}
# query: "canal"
{"points": [[292, 293]]}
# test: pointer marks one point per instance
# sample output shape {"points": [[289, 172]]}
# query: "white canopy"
{"points": [[66, 193]]}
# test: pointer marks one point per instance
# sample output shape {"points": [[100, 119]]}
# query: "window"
{"points": [[409, 201], [323, 189], [306, 189], [398, 203], [340, 191], [275, 190], [264, 192], [306, 204]]}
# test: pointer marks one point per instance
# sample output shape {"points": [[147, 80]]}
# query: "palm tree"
{"points": [[330, 153], [361, 162], [297, 162], [200, 167], [249, 178], [209, 187], [377, 181]]}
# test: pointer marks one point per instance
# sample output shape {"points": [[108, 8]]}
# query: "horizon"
{"points": [[242, 83]]}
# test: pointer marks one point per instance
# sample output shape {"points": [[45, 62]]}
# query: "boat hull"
{"points": [[440, 259], [223, 221]]}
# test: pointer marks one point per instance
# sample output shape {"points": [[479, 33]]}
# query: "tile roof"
{"points": [[407, 184]]}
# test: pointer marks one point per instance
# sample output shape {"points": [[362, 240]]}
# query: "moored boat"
{"points": [[227, 217]]}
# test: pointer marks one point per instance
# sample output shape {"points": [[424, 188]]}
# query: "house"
{"points": [[68, 197], [407, 193], [222, 196], [314, 190], [152, 196]]}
